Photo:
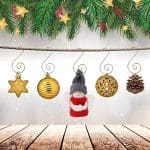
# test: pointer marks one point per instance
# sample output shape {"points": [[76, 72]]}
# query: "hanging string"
{"points": [[135, 67], [75, 50], [20, 66], [82, 67], [48, 67], [108, 68]]}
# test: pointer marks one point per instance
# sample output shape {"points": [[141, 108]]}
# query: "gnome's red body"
{"points": [[78, 101], [78, 107]]}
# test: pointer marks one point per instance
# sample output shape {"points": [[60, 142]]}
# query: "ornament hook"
{"points": [[48, 67], [135, 68], [81, 67], [108, 68], [20, 66]]}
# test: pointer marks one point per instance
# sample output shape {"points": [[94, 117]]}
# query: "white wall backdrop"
{"points": [[31, 108]]}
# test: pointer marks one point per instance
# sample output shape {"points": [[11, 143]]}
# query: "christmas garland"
{"points": [[50, 17]]}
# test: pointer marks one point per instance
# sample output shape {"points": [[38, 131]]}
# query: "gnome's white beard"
{"points": [[79, 107]]}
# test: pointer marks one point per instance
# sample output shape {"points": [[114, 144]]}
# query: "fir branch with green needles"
{"points": [[125, 16]]}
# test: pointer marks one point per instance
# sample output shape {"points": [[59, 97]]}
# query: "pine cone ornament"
{"points": [[118, 12], [14, 11], [102, 26], [135, 84], [59, 12]]}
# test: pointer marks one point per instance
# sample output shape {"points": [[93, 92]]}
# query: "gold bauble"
{"points": [[106, 86], [48, 87]]}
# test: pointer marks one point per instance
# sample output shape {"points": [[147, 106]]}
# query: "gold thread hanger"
{"points": [[18, 86], [106, 85], [48, 87], [135, 83], [81, 67]]}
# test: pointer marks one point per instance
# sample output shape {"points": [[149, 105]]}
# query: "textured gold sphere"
{"points": [[106, 86], [48, 87]]}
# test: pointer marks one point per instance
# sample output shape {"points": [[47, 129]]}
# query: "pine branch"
{"points": [[73, 26], [42, 19], [5, 11], [145, 16], [44, 14]]}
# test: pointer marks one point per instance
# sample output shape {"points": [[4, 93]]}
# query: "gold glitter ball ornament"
{"points": [[48, 87], [106, 86]]}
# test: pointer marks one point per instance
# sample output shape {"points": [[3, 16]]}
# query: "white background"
{"points": [[124, 107]]}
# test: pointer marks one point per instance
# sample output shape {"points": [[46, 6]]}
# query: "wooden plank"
{"points": [[129, 139], [50, 139], [10, 131], [102, 139], [141, 131], [23, 139], [147, 126], [3, 126], [76, 138]]}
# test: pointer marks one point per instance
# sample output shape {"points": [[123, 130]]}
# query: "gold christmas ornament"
{"points": [[125, 28], [21, 11], [106, 86], [17, 31], [3, 24], [48, 87], [83, 10], [18, 86], [108, 3], [64, 18], [138, 2]]}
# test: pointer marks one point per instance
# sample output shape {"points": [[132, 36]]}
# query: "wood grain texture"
{"points": [[102, 139], [142, 131], [76, 138], [50, 139], [130, 140], [23, 139], [147, 126], [3, 126], [10, 131]]}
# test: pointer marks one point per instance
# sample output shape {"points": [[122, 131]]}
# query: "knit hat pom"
{"points": [[79, 78], [78, 83]]}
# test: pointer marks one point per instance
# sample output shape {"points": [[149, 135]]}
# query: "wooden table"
{"points": [[74, 137]]}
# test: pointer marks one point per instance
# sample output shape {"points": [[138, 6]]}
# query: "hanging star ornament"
{"points": [[64, 18], [125, 28], [21, 11], [18, 86], [3, 23]]}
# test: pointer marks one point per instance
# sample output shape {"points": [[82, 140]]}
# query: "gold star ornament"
{"points": [[21, 11], [17, 31], [138, 2], [83, 10], [125, 28], [18, 86], [108, 3], [3, 23], [64, 18]]}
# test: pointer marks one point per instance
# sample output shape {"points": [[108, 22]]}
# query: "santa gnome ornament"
{"points": [[78, 101]]}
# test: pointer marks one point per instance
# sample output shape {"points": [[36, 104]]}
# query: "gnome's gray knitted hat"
{"points": [[78, 83]]}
